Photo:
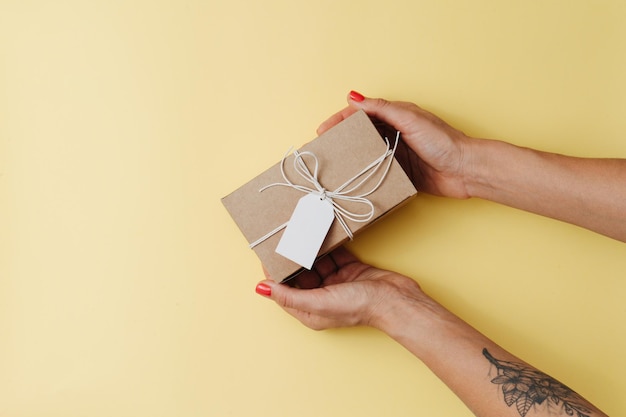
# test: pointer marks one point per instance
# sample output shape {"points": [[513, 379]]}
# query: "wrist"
{"points": [[486, 164], [412, 320], [428, 330]]}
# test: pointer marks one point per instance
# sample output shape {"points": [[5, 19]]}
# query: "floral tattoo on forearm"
{"points": [[526, 387]]}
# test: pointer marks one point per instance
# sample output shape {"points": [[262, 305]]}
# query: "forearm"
{"points": [[586, 192], [476, 369]]}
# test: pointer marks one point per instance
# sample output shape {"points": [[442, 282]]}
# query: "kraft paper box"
{"points": [[342, 152]]}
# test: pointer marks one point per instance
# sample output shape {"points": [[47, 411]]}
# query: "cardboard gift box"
{"points": [[342, 153]]}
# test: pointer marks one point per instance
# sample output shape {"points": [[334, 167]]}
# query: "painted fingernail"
{"points": [[264, 289], [358, 97]]}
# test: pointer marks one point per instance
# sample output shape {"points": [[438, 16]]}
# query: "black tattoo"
{"points": [[526, 387]]}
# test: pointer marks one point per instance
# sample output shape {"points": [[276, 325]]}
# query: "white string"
{"points": [[268, 235], [341, 193]]}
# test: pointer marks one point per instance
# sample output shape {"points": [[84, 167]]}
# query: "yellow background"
{"points": [[125, 288]]}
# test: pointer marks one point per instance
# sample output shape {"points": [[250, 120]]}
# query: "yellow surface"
{"points": [[125, 288]]}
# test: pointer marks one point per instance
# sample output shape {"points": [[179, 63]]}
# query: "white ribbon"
{"points": [[342, 193]]}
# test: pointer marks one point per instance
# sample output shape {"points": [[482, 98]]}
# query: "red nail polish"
{"points": [[264, 289], [358, 97]]}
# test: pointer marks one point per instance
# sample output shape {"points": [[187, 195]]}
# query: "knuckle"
{"points": [[381, 102]]}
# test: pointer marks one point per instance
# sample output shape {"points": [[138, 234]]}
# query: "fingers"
{"points": [[324, 270], [306, 280], [333, 262], [335, 119], [398, 114], [342, 257], [319, 306]]}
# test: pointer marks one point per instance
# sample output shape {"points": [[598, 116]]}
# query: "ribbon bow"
{"points": [[341, 193]]}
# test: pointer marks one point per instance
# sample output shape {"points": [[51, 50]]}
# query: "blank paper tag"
{"points": [[306, 230]]}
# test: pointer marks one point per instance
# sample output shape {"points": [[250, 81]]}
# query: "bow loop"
{"points": [[340, 194]]}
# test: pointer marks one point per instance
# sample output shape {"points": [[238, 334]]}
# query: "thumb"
{"points": [[314, 308], [394, 113], [287, 297]]}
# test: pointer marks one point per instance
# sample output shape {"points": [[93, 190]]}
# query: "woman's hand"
{"points": [[438, 157], [441, 160], [345, 292], [342, 291]]}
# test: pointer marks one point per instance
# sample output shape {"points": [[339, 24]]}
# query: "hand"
{"points": [[343, 292], [438, 153], [348, 293]]}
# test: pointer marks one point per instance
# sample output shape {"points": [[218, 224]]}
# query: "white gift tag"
{"points": [[306, 230]]}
